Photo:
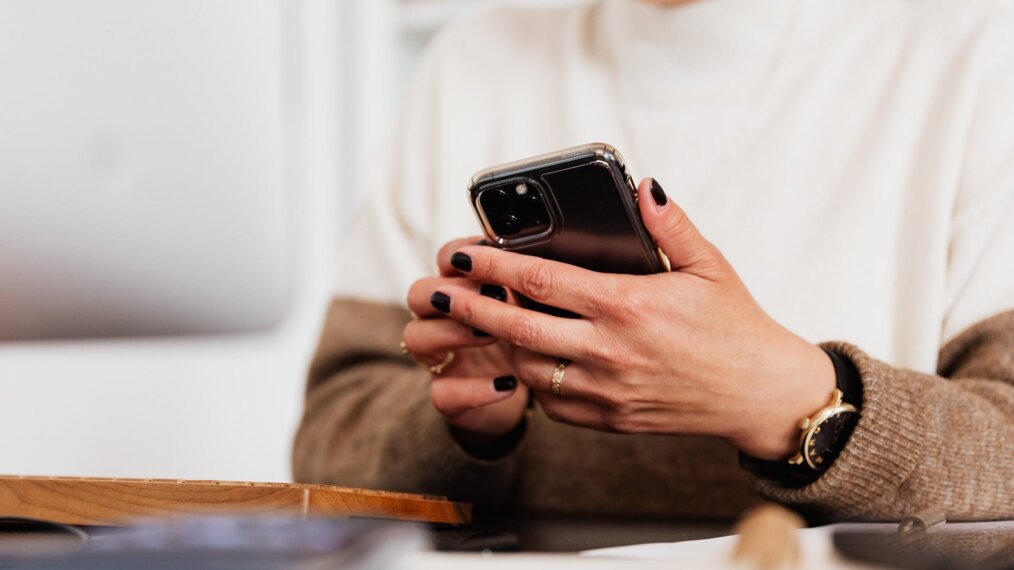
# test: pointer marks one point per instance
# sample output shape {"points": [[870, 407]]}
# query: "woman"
{"points": [[848, 169]]}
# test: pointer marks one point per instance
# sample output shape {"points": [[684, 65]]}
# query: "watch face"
{"points": [[825, 441]]}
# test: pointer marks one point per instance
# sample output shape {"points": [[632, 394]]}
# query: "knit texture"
{"points": [[922, 440]]}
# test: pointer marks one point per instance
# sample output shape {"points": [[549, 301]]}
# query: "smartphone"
{"points": [[577, 206]]}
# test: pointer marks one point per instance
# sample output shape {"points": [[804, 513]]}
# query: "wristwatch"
{"points": [[822, 435]]}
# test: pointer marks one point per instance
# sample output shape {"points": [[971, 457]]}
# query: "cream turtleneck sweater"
{"points": [[853, 160]]}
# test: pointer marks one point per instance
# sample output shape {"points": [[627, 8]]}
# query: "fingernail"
{"points": [[441, 302], [479, 333], [504, 383], [461, 261], [494, 292], [658, 194]]}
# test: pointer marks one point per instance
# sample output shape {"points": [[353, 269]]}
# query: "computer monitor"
{"points": [[142, 186]]}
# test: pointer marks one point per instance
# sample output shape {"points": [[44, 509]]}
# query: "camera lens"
{"points": [[507, 225], [533, 211], [495, 201]]}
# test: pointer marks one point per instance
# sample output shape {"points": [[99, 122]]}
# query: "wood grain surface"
{"points": [[115, 502]]}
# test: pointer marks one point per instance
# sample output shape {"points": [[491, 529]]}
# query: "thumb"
{"points": [[676, 235]]}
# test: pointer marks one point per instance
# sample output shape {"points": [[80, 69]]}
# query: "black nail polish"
{"points": [[461, 261], [441, 302], [504, 383], [479, 333], [494, 292], [658, 194]]}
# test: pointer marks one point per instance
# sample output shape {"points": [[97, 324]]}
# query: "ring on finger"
{"points": [[557, 382], [436, 368], [439, 368]]}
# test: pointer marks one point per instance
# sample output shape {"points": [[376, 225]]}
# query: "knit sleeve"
{"points": [[368, 421], [944, 440]]}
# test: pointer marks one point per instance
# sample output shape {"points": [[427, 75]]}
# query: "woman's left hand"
{"points": [[684, 352]]}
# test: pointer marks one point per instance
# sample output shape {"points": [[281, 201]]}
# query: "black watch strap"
{"points": [[849, 381]]}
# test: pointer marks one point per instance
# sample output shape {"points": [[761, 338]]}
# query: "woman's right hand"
{"points": [[477, 392]]}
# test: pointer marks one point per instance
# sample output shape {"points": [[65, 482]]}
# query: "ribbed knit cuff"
{"points": [[445, 468], [883, 451]]}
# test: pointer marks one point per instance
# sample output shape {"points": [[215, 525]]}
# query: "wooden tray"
{"points": [[116, 502]]}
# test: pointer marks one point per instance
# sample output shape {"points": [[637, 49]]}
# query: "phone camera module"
{"points": [[515, 210]]}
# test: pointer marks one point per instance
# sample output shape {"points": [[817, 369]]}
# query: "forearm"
{"points": [[923, 440], [368, 420]]}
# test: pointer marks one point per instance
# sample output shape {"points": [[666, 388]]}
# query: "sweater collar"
{"points": [[701, 46]]}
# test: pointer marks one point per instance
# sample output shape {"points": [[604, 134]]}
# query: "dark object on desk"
{"points": [[112, 502], [458, 540], [938, 548], [233, 542], [25, 537]]}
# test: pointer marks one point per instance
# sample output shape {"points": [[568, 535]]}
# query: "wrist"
{"points": [[803, 389], [469, 438], [490, 446]]}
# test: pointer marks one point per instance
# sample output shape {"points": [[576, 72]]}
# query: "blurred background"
{"points": [[176, 181]]}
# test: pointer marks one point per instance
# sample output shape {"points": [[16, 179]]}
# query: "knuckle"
{"points": [[524, 331], [638, 304], [622, 424], [612, 401], [678, 223], [526, 373], [625, 303], [608, 354], [603, 297], [464, 309], [482, 266], [537, 280]]}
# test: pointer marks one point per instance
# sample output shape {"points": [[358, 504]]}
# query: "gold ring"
{"points": [[439, 368], [558, 378], [435, 369]]}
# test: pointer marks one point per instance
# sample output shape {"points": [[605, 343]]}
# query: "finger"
{"points": [[550, 282], [429, 340], [444, 255], [537, 372], [455, 396], [676, 235], [535, 331], [420, 292], [574, 412]]}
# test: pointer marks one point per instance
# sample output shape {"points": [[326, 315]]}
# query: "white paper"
{"points": [[815, 544]]}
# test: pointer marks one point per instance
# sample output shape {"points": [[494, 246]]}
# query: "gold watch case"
{"points": [[820, 430]]}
